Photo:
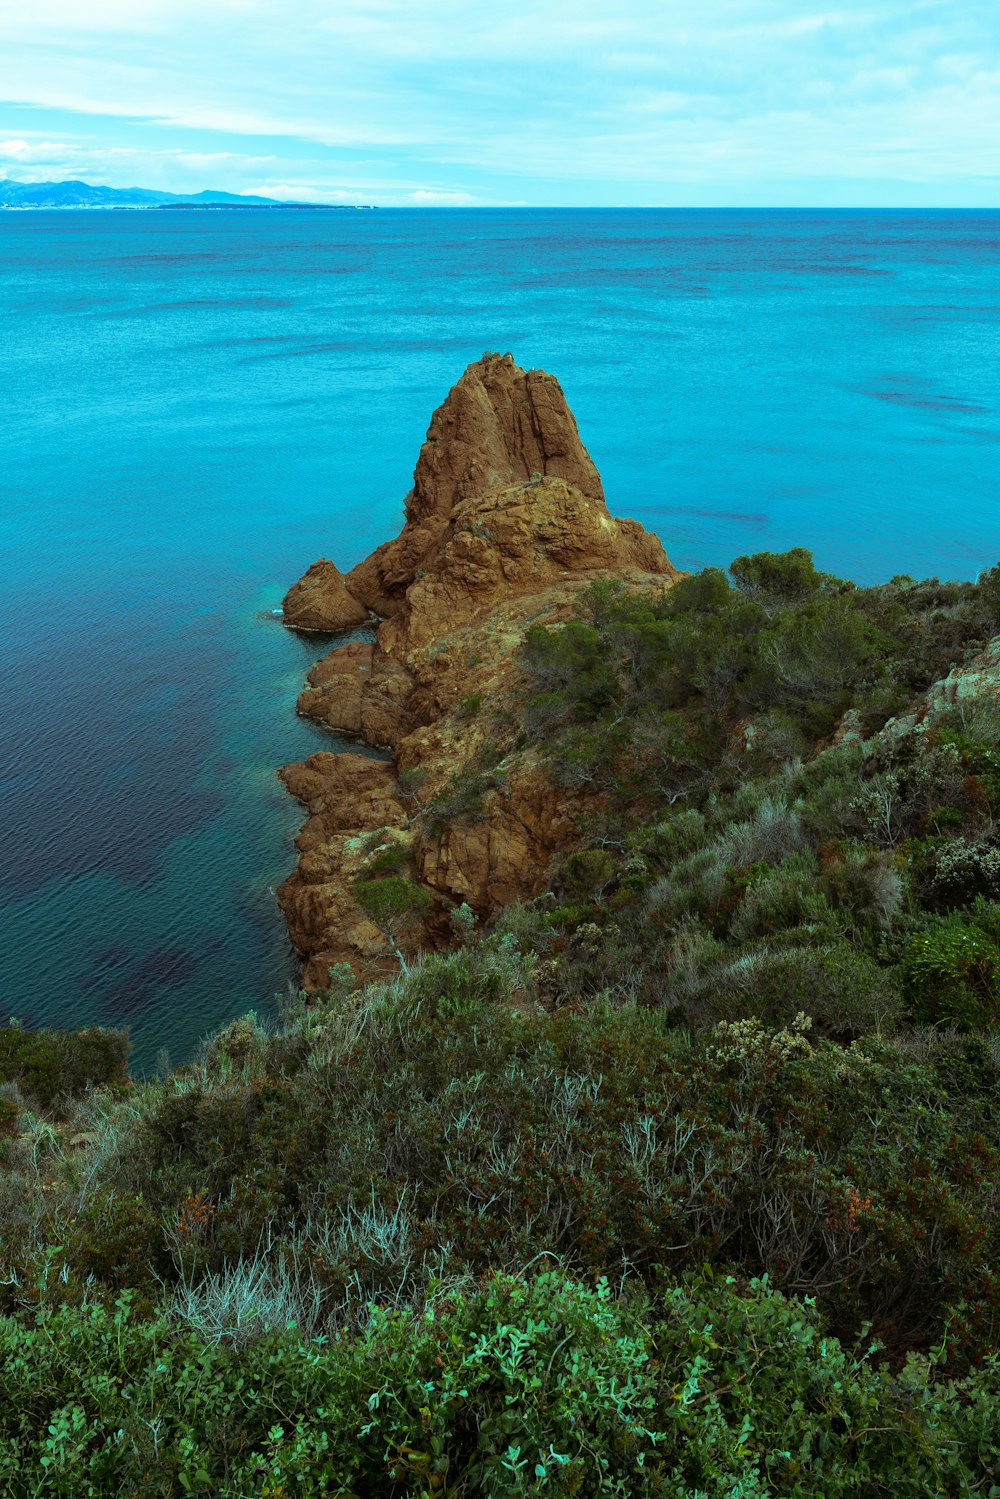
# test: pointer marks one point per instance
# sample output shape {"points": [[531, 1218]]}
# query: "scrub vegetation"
{"points": [[681, 1180]]}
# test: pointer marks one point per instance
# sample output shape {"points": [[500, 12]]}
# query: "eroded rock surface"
{"points": [[505, 524], [320, 601]]}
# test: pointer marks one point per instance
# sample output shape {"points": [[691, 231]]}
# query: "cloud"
{"points": [[467, 102], [426, 198]]}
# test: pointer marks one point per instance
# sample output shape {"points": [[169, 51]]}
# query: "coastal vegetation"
{"points": [[678, 1179]]}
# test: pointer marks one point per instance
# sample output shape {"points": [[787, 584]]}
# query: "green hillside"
{"points": [[680, 1180]]}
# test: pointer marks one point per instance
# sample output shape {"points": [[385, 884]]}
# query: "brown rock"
{"points": [[504, 854], [385, 716], [499, 425], [505, 524], [320, 600], [345, 792], [336, 684], [516, 540], [358, 690], [383, 578], [346, 795]]}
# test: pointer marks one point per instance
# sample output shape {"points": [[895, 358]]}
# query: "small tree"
{"points": [[778, 577], [393, 904]]}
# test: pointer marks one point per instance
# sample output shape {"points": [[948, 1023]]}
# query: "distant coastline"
{"points": [[202, 207], [32, 196]]}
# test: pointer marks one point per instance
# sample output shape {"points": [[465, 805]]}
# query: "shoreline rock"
{"points": [[321, 602]]}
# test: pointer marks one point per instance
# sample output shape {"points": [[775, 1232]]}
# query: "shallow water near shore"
{"points": [[197, 405]]}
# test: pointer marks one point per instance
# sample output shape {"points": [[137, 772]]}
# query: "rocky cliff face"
{"points": [[505, 523]]}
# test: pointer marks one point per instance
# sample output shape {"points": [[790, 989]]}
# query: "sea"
{"points": [[196, 404]]}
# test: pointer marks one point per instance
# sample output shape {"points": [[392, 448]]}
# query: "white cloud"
{"points": [[465, 102], [427, 198]]}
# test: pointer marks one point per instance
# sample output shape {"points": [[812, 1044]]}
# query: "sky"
{"points": [[558, 102]]}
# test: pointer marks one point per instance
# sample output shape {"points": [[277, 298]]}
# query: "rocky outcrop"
{"points": [[976, 681], [320, 601], [505, 524], [359, 690], [347, 797], [499, 425]]}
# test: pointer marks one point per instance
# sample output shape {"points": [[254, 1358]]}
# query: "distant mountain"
{"points": [[86, 195]]}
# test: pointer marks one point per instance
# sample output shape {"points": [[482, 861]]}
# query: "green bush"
{"points": [[469, 706], [393, 903], [525, 1386], [50, 1065], [951, 975], [782, 899], [963, 870], [777, 576], [864, 887], [845, 994], [503, 1129]]}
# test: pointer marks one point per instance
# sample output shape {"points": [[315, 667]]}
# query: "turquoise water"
{"points": [[197, 405]]}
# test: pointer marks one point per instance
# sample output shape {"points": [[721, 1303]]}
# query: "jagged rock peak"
{"points": [[503, 431], [498, 425]]}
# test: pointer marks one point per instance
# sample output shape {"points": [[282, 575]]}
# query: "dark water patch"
{"points": [[390, 345], [164, 968], [839, 270], [104, 966], [199, 304], [929, 401], [173, 258], [660, 277], [84, 831], [737, 517], [977, 553]]}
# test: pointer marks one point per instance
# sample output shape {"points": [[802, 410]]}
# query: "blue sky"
{"points": [[640, 102]]}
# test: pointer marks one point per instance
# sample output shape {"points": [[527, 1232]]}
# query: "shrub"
{"points": [[386, 859], [240, 1045], [522, 1386], [864, 887], [49, 1065], [464, 794], [843, 992], [773, 832], [450, 984], [777, 576], [811, 661], [951, 975], [963, 870], [117, 1239], [393, 904], [783, 898], [587, 872], [694, 887], [484, 1394]]}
